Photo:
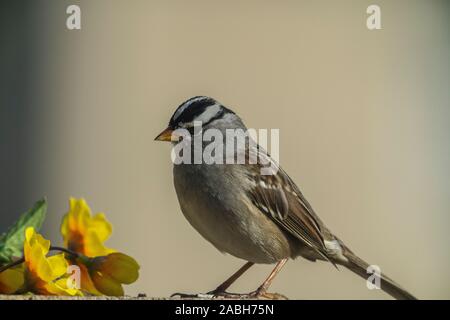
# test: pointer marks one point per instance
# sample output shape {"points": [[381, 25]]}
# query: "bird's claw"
{"points": [[192, 295], [221, 294]]}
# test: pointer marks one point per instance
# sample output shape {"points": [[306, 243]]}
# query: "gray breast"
{"points": [[213, 200]]}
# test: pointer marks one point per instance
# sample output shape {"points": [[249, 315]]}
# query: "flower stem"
{"points": [[65, 250], [12, 264], [52, 248]]}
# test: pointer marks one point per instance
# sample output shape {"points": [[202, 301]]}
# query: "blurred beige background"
{"points": [[363, 118]]}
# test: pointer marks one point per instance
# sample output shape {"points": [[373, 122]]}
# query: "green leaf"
{"points": [[11, 242]]}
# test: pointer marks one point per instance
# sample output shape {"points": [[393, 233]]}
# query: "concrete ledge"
{"points": [[140, 297]]}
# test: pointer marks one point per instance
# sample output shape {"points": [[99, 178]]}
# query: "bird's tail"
{"points": [[359, 267]]}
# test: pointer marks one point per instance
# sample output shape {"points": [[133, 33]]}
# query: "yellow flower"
{"points": [[103, 271], [44, 275], [84, 233], [108, 273], [11, 280]]}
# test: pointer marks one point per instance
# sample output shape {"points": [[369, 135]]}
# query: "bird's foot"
{"points": [[214, 294], [259, 293], [192, 295], [218, 293]]}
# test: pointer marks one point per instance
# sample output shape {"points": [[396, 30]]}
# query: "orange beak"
{"points": [[167, 135]]}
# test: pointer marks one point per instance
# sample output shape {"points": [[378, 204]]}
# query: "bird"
{"points": [[260, 218]]}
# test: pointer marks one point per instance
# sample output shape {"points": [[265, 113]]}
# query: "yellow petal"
{"points": [[65, 231], [58, 264], [60, 288], [29, 233], [43, 268], [26, 244], [78, 214], [34, 256], [102, 227], [43, 243], [84, 215], [11, 280], [94, 246]]}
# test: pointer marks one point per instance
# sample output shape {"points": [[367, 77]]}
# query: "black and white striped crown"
{"points": [[199, 108]]}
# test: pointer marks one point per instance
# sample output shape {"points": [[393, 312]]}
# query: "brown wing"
{"points": [[278, 197]]}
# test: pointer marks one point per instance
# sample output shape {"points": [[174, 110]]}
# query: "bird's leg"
{"points": [[221, 289], [261, 292], [262, 289]]}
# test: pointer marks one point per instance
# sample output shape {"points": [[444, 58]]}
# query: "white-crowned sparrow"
{"points": [[255, 217]]}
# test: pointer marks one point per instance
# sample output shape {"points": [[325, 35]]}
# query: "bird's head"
{"points": [[200, 109]]}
